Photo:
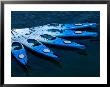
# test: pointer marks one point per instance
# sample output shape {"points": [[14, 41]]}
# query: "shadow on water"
{"points": [[56, 62], [82, 38], [79, 51], [82, 52]]}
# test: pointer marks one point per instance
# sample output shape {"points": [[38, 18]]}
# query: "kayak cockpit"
{"points": [[49, 37], [53, 24], [16, 45], [34, 42], [55, 30]]}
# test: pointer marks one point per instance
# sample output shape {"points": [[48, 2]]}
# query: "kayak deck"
{"points": [[19, 52]]}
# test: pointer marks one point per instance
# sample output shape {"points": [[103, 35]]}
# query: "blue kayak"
{"points": [[67, 26], [36, 46], [48, 39], [19, 52], [70, 33], [79, 25]]}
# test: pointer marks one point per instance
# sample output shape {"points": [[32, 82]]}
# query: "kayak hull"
{"points": [[71, 33], [60, 42], [18, 53], [39, 49], [83, 25]]}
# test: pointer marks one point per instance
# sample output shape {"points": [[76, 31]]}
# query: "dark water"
{"points": [[75, 63]]}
